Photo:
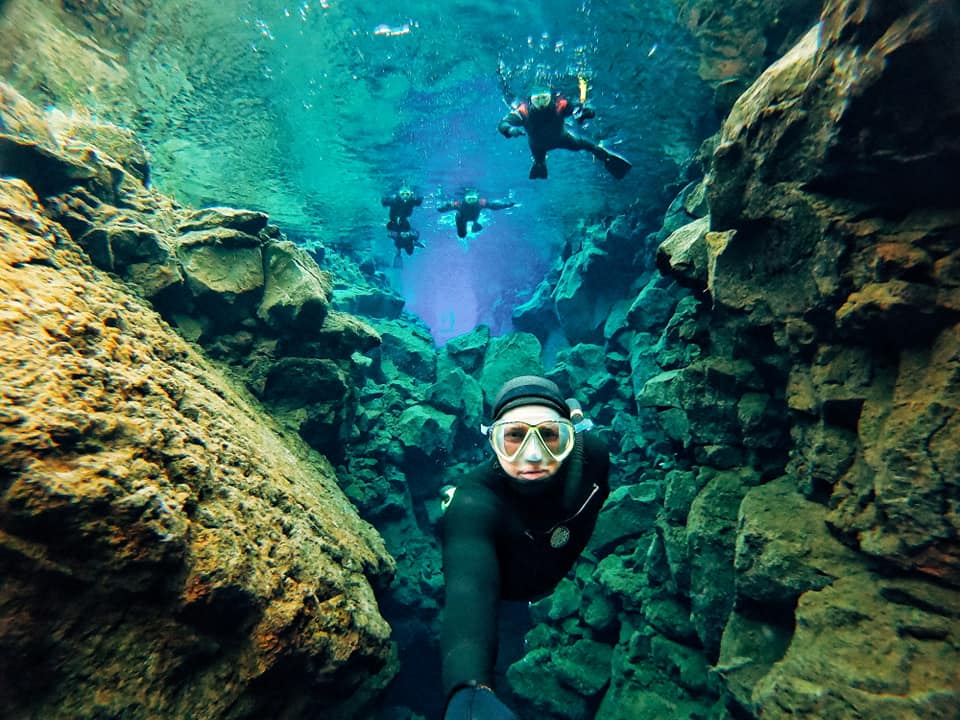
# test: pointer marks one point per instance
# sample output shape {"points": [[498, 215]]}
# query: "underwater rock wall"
{"points": [[782, 535], [823, 578], [167, 549], [739, 38], [797, 555]]}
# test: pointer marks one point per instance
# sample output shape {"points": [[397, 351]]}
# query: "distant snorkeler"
{"points": [[401, 204], [468, 208], [404, 240], [542, 117]]}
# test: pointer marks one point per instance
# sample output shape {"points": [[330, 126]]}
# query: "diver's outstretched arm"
{"points": [[511, 125]]}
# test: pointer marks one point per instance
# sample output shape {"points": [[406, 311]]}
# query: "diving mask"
{"points": [[541, 100], [509, 438]]}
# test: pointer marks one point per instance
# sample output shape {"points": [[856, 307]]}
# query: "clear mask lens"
{"points": [[510, 438], [541, 100]]}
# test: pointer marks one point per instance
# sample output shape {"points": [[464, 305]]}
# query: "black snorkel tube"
{"points": [[572, 494], [581, 423]]}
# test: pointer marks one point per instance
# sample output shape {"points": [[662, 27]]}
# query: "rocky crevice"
{"points": [[775, 371]]}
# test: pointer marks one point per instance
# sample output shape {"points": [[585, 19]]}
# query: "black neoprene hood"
{"points": [[529, 390]]}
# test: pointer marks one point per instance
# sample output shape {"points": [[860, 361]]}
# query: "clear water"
{"points": [[312, 111]]}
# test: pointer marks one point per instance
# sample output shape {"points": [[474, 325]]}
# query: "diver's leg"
{"points": [[538, 171], [539, 152], [616, 165], [461, 226]]}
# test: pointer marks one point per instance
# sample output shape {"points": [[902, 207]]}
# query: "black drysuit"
{"points": [[497, 546]]}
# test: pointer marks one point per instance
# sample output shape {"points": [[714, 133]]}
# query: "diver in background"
{"points": [[512, 529], [404, 240], [543, 118], [468, 209], [401, 204]]}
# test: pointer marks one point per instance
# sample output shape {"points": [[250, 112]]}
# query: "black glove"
{"points": [[584, 112], [477, 703]]}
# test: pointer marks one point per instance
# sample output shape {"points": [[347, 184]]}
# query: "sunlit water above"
{"points": [[359, 97]]}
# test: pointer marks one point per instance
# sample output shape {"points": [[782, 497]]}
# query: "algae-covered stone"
{"points": [[221, 261], [249, 222], [296, 293], [629, 512], [784, 547], [406, 351], [457, 393], [506, 357], [468, 350], [170, 520], [424, 429], [893, 642], [684, 253], [711, 535]]}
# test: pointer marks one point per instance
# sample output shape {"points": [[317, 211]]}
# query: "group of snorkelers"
{"points": [[543, 117]]}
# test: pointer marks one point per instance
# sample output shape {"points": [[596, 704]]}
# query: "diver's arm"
{"points": [[511, 125], [447, 206], [468, 637], [581, 113], [498, 204], [386, 200], [597, 470]]}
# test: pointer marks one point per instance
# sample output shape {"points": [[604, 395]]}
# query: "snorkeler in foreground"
{"points": [[512, 530], [543, 118]]}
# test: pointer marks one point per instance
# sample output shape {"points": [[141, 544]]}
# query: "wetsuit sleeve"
{"points": [[584, 112], [418, 200], [598, 466], [446, 206], [499, 204], [468, 636], [511, 125], [386, 200]]}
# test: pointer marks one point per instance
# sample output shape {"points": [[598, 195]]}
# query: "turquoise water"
{"points": [[312, 111]]}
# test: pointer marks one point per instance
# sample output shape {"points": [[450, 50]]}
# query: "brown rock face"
{"points": [[738, 38], [848, 235], [165, 551], [831, 263]]}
